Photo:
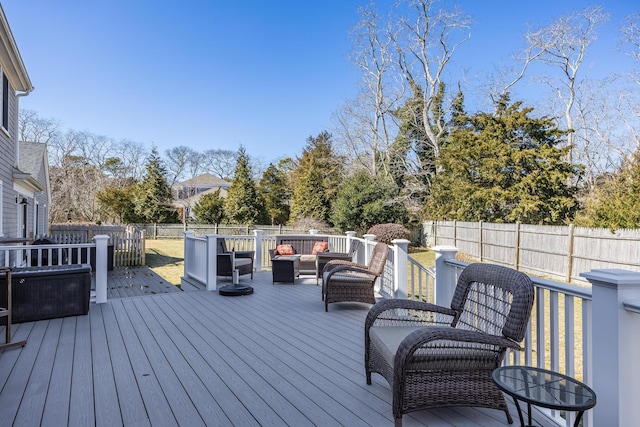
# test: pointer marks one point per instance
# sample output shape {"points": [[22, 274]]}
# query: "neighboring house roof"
{"points": [[204, 180], [191, 201], [32, 164], [10, 58]]}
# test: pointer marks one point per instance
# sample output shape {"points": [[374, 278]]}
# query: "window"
{"points": [[5, 102]]}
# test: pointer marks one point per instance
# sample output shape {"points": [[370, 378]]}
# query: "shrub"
{"points": [[387, 232]]}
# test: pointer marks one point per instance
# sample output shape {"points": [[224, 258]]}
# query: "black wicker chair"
{"points": [[243, 260], [434, 356]]}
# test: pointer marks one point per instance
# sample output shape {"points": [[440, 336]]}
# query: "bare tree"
{"points": [[177, 160], [563, 45], [220, 163], [365, 125], [425, 41], [629, 100], [33, 128]]}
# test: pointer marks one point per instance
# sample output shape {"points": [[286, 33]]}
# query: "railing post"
{"points": [[212, 262], [445, 282], [257, 245], [368, 238], [400, 263], [350, 236], [101, 267], [616, 348]]}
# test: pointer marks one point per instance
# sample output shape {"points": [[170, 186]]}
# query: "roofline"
{"points": [[17, 72]]}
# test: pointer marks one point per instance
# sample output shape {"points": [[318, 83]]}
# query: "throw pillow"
{"points": [[320, 247], [284, 250]]}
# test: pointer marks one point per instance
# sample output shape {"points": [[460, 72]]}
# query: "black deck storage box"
{"points": [[40, 293]]}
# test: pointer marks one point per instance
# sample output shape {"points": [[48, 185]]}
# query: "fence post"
{"points": [[615, 349], [400, 263], [101, 268], [257, 245], [445, 282], [143, 236], [570, 254], [480, 240], [516, 246]]}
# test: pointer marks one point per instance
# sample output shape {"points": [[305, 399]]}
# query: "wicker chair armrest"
{"points": [[351, 269], [244, 254], [394, 312], [340, 262], [424, 336]]}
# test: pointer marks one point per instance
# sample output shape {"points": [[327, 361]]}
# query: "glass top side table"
{"points": [[544, 388]]}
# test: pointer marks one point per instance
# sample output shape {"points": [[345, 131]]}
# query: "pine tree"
{"points": [[505, 166], [153, 198], [209, 209], [615, 201], [364, 201], [244, 204], [316, 179], [276, 193]]}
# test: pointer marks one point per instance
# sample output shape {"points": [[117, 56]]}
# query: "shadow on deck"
{"points": [[273, 358]]}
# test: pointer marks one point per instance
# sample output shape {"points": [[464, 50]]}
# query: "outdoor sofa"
{"points": [[305, 245]]}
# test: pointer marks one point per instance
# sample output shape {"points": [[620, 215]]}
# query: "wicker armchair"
{"points": [[435, 356], [322, 258], [243, 260], [347, 281]]}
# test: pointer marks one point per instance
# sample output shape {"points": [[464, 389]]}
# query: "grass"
{"points": [[166, 258]]}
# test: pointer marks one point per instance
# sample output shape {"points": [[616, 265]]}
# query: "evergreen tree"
{"points": [[315, 179], [505, 166], [153, 197], [276, 193], [615, 201], [244, 204], [118, 205], [364, 201], [209, 209]]}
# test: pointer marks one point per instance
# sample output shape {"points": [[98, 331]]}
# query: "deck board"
{"points": [[164, 357]]}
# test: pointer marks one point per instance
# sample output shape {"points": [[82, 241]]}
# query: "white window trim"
{"points": [[1, 208]]}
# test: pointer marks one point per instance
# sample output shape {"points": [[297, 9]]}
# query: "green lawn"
{"points": [[166, 257]]}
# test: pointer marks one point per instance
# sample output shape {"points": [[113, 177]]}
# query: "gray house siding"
{"points": [[9, 207]]}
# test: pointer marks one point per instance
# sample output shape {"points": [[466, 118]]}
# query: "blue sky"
{"points": [[217, 74]]}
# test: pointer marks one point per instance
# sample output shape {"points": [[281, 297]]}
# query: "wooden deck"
{"points": [[190, 358]]}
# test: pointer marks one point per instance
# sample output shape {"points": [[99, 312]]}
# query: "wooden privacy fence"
{"points": [[558, 252], [127, 241]]}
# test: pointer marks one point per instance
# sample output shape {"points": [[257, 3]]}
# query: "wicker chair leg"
{"points": [[368, 378], [509, 419], [398, 422]]}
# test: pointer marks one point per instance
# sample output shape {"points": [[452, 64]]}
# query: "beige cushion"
{"points": [[242, 261], [387, 339], [441, 354]]}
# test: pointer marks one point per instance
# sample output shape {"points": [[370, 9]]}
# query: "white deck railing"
{"points": [[590, 333], [20, 256]]}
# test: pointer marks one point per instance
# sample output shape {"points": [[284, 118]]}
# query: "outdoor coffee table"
{"points": [[285, 268], [544, 388]]}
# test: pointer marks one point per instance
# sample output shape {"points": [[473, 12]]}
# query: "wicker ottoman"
{"points": [[40, 293], [285, 268]]}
